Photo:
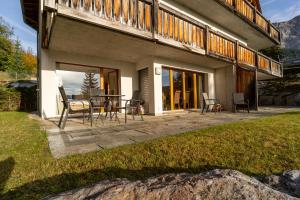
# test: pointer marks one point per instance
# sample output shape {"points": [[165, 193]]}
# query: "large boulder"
{"points": [[213, 185]]}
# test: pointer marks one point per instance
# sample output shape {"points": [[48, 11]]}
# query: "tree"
{"points": [[30, 61], [18, 67], [89, 82], [6, 46], [276, 52]]}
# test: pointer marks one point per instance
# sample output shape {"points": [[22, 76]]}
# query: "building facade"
{"points": [[170, 50]]}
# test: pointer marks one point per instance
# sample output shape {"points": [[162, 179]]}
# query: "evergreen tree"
{"points": [[89, 82], [18, 67], [6, 46]]}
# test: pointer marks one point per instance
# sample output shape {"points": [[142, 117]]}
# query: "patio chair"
{"points": [[239, 100], [135, 105], [71, 107], [98, 103], [177, 99], [210, 103]]}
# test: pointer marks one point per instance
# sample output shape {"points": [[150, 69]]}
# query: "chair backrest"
{"points": [[63, 95], [238, 98], [136, 95], [206, 99], [177, 97], [97, 101]]}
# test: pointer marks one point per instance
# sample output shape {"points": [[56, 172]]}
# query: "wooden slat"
{"points": [[186, 31], [176, 28], [159, 22], [117, 9], [141, 15], [98, 5], [133, 12], [148, 17], [108, 8], [180, 30], [125, 10], [166, 25], [171, 26]]}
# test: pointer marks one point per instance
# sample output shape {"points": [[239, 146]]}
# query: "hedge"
{"points": [[10, 99]]}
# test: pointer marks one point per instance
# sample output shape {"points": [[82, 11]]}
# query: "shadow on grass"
{"points": [[69, 181], [6, 167]]}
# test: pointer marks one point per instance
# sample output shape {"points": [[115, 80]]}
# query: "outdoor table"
{"points": [[109, 98]]}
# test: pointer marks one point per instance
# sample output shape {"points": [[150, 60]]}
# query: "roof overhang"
{"points": [[30, 10]]}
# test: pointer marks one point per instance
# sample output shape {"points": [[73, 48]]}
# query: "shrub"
{"points": [[10, 99]]}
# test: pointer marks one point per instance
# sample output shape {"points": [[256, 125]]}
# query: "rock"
{"points": [[213, 185], [288, 182]]}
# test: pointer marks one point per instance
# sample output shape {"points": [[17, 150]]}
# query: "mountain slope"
{"points": [[290, 31]]}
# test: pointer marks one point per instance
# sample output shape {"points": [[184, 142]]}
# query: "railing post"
{"points": [[269, 28], [256, 60], [270, 66], [254, 15], [237, 44], [207, 39]]}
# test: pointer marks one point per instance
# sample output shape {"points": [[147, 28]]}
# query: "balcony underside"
{"points": [[77, 37], [220, 14]]}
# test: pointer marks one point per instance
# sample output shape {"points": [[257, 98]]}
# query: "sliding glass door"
{"points": [[79, 80], [181, 89]]}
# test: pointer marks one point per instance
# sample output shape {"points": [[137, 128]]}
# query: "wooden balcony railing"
{"points": [[134, 13], [173, 28], [221, 46], [246, 56], [247, 10], [263, 23], [274, 32], [263, 63], [276, 68]]}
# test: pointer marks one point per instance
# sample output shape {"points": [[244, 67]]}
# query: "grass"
{"points": [[256, 147]]}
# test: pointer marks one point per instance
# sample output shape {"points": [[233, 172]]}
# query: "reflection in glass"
{"points": [[178, 88], [189, 90], [166, 89]]}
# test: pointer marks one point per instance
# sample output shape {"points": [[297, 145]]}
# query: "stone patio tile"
{"points": [[107, 141]]}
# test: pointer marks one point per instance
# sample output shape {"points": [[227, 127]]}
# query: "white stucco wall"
{"points": [[225, 85]]}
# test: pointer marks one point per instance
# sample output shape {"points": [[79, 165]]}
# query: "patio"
{"points": [[78, 138]]}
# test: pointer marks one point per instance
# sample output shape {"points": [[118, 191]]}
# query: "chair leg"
{"points": [[125, 115], [66, 118], [61, 117], [248, 108], [91, 115], [83, 113], [140, 113]]}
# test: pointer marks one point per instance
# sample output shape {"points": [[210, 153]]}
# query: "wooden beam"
{"points": [[171, 90], [183, 89], [195, 91]]}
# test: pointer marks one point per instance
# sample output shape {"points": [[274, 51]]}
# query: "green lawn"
{"points": [[255, 147]]}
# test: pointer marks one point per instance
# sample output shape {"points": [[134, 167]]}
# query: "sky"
{"points": [[10, 10]]}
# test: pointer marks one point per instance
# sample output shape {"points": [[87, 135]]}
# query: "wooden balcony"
{"points": [[246, 10], [160, 24]]}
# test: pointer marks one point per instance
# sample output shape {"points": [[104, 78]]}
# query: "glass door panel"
{"points": [[166, 97], [178, 89]]}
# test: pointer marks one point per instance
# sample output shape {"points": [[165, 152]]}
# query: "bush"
{"points": [[10, 99]]}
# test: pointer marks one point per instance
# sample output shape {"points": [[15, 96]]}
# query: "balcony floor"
{"points": [[79, 138]]}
